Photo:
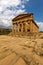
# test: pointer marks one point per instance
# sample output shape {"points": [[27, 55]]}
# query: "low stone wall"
{"points": [[41, 35]]}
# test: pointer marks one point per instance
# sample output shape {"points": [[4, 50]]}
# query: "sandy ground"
{"points": [[20, 51]]}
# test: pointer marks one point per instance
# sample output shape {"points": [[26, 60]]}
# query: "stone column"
{"points": [[22, 27], [25, 26], [18, 27]]}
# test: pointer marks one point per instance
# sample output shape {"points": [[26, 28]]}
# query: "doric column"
{"points": [[21, 27], [18, 26], [24, 28]]}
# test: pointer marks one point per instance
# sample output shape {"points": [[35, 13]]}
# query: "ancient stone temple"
{"points": [[24, 24]]}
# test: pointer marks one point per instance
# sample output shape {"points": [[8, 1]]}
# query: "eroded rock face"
{"points": [[30, 59], [38, 49]]}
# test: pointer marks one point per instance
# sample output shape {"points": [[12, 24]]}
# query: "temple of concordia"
{"points": [[24, 24]]}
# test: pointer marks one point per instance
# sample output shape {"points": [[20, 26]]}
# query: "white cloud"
{"points": [[9, 9], [23, 6], [9, 2], [20, 11], [40, 24]]}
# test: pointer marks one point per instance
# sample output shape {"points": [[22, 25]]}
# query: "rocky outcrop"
{"points": [[20, 51]]}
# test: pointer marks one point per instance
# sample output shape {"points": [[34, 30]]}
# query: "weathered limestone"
{"points": [[24, 23]]}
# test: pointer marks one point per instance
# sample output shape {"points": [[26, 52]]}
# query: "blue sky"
{"points": [[36, 6], [11, 8]]}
